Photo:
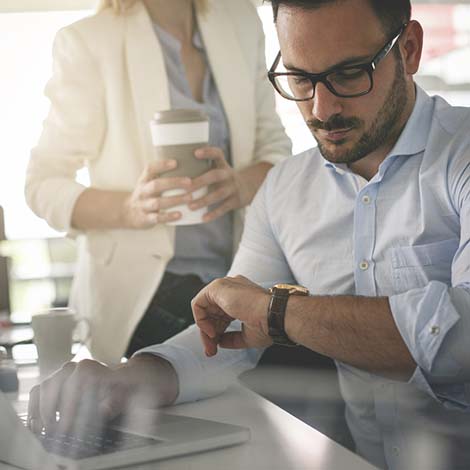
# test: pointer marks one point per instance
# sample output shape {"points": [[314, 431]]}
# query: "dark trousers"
{"points": [[169, 311]]}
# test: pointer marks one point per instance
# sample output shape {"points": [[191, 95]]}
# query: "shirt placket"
{"points": [[364, 240]]}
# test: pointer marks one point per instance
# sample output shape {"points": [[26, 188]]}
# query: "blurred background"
{"points": [[37, 263]]}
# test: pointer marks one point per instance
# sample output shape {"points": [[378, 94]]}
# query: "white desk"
{"points": [[279, 440]]}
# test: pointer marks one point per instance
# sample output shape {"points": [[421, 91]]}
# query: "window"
{"points": [[25, 48]]}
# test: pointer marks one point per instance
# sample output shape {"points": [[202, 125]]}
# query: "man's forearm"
{"points": [[359, 331]]}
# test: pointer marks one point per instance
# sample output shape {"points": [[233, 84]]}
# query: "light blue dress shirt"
{"points": [[405, 234], [204, 249]]}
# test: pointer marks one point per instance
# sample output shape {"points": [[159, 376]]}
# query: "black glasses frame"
{"points": [[369, 67]]}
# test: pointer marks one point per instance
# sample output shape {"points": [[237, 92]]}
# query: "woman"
{"points": [[135, 274]]}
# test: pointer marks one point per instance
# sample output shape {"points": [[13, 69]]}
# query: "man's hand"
{"points": [[89, 393], [227, 189], [228, 299]]}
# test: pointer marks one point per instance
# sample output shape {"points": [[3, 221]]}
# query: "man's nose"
{"points": [[325, 103]]}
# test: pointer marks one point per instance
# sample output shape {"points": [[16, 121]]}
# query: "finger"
{"points": [[156, 204], [34, 415], [214, 154], [219, 211], [156, 168], [210, 344], [213, 197], [200, 301], [70, 405], [50, 396], [233, 340], [113, 396], [79, 405], [166, 217], [205, 299], [211, 177], [150, 219], [157, 186], [207, 326], [201, 318]]}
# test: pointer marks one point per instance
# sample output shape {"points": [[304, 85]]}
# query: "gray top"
{"points": [[205, 249]]}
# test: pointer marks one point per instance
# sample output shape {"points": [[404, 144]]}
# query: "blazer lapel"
{"points": [[147, 74], [150, 93], [231, 75]]}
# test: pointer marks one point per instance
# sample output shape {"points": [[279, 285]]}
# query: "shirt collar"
{"points": [[414, 136]]}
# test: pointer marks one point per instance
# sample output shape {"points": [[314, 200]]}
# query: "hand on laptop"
{"points": [[89, 393], [228, 299]]}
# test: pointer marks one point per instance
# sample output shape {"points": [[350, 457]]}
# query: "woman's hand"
{"points": [[145, 206], [227, 189]]}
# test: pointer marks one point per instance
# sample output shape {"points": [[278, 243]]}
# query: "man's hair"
{"points": [[391, 13]]}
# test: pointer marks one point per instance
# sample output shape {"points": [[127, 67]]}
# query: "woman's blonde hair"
{"points": [[120, 6]]}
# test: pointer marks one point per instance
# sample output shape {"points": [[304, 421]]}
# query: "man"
{"points": [[375, 222]]}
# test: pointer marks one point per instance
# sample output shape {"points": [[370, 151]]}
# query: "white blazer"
{"points": [[109, 79]]}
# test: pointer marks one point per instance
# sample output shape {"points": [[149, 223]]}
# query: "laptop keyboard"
{"points": [[91, 443]]}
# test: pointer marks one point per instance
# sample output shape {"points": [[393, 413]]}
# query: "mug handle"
{"points": [[80, 320]]}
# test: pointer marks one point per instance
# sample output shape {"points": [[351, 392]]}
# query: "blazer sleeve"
{"points": [[72, 132], [272, 144]]}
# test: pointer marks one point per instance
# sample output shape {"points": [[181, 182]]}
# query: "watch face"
{"points": [[293, 289]]}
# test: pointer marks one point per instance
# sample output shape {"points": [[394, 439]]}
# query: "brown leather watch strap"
{"points": [[276, 316]]}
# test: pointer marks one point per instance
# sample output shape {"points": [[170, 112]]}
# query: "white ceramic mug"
{"points": [[54, 336]]}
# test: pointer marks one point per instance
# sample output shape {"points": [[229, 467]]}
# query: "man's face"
{"points": [[346, 129]]}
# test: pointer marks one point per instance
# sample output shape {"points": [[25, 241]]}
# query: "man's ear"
{"points": [[412, 46]]}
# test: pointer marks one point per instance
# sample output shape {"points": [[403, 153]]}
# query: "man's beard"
{"points": [[383, 129]]}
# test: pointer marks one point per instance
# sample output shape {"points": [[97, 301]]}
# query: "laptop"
{"points": [[156, 436]]}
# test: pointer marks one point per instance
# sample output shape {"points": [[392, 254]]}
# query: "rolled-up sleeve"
{"points": [[434, 321]]}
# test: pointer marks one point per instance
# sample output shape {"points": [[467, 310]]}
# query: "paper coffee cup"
{"points": [[176, 134]]}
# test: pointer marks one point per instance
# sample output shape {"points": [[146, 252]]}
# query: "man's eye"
{"points": [[300, 80], [348, 74]]}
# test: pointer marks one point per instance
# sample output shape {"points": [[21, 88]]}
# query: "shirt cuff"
{"points": [[187, 367], [199, 376], [424, 317]]}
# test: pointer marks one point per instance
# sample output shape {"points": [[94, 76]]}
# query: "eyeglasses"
{"points": [[346, 81]]}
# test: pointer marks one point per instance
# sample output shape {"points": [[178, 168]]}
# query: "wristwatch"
{"points": [[277, 310]]}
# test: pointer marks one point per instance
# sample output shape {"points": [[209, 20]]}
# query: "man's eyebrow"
{"points": [[344, 63]]}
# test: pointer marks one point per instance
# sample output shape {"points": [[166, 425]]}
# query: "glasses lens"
{"points": [[350, 81], [295, 87]]}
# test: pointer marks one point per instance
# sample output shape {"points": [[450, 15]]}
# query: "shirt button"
{"points": [[364, 265], [396, 450], [366, 199], [435, 330]]}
